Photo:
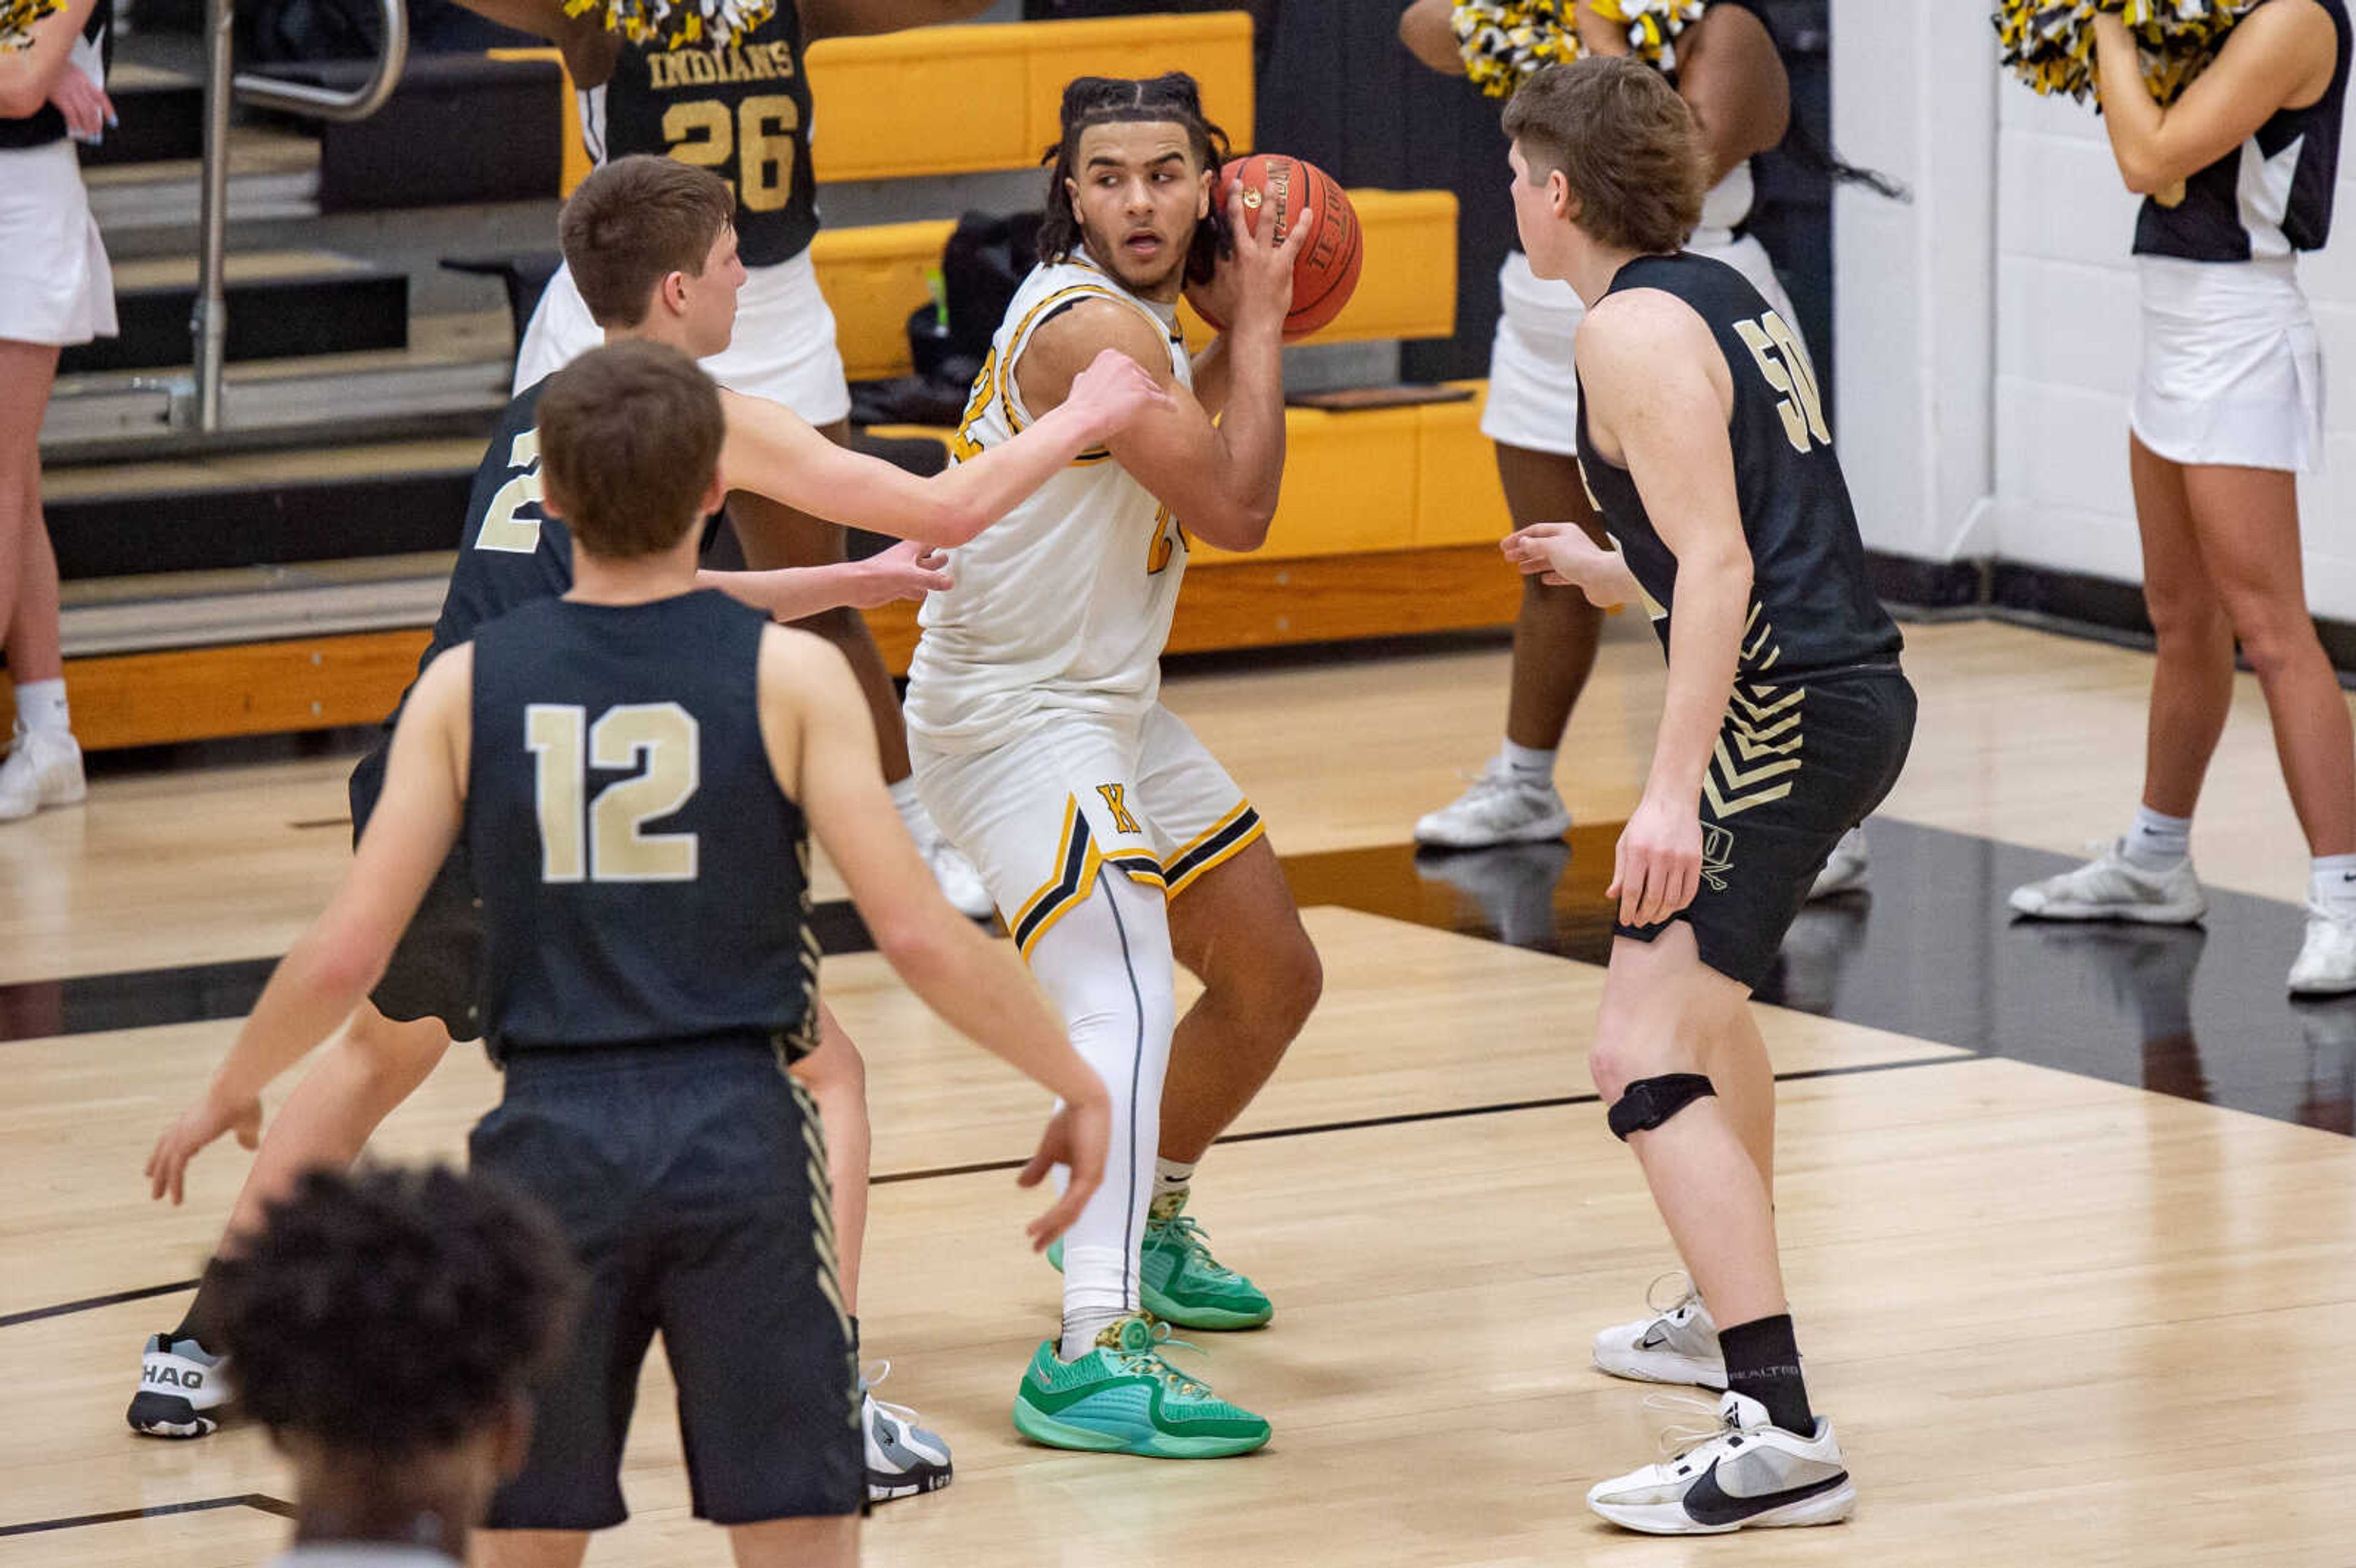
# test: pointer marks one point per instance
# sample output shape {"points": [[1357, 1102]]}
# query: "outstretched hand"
{"points": [[1565, 556], [1117, 390], [907, 570], [1076, 1137], [197, 1126]]}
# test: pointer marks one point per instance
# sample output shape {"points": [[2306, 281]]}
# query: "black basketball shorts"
{"points": [[690, 1177], [1797, 765], [436, 971]]}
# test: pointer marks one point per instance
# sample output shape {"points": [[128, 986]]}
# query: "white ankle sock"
{"points": [[1089, 1308], [1170, 1177], [2155, 842], [41, 705], [2331, 884], [1528, 765]]}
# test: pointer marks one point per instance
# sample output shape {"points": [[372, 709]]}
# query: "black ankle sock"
{"points": [[1763, 1363], [197, 1324]]}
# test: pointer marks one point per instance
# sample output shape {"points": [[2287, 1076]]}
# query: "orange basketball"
{"points": [[1327, 272]]}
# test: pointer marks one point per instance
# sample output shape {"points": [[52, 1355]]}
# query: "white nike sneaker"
{"points": [[1745, 1474], [1677, 1344], [1844, 870], [1499, 808], [2327, 959], [44, 768], [902, 1459], [2112, 887], [182, 1390]]}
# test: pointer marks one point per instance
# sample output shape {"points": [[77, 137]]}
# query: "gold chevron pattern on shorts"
{"points": [[1758, 751], [1760, 649]]}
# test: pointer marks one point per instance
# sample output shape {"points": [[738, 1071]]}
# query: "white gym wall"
{"points": [[1986, 334]]}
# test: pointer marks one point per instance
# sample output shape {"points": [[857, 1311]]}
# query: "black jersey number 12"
{"points": [[758, 138]]}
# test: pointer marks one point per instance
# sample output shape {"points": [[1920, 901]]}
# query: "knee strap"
{"points": [[1648, 1101]]}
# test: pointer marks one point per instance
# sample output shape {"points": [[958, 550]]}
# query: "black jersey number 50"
{"points": [[758, 138]]}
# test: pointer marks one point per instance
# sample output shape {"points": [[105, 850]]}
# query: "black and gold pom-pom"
{"points": [[18, 17], [2050, 44], [672, 24], [1505, 42], [1652, 25]]}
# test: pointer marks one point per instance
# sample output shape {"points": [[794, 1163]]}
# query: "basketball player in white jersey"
{"points": [[1110, 838], [1731, 77]]}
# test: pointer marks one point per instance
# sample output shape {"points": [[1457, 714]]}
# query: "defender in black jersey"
{"points": [[634, 768], [511, 554], [1705, 449], [2238, 176]]}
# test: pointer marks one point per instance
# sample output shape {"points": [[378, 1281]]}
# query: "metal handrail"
{"points": [[209, 327]]}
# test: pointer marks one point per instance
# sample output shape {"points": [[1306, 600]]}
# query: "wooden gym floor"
{"points": [[2070, 1217]]}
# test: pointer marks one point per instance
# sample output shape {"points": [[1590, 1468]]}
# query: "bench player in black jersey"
{"points": [[2238, 176], [634, 768], [743, 111], [655, 233], [1703, 441]]}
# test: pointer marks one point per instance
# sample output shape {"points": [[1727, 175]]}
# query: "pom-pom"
{"points": [[18, 17], [1507, 42], [1652, 25], [671, 24], [2050, 44]]}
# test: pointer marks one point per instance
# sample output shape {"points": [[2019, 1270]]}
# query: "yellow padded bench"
{"points": [[1366, 481], [1388, 528], [875, 276], [968, 100]]}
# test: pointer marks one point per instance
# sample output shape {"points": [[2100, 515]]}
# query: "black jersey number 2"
{"points": [[757, 137], [1785, 365]]}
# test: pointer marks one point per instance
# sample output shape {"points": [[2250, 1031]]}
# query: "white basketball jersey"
{"points": [[1063, 606]]}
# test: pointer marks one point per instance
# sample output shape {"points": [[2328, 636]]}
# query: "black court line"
{"points": [[985, 1166], [1450, 1113], [260, 1501], [92, 1304]]}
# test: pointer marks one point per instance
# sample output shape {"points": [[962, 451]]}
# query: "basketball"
{"points": [[1327, 272]]}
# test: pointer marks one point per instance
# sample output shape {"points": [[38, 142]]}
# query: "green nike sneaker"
{"points": [[1180, 1282], [1122, 1397]]}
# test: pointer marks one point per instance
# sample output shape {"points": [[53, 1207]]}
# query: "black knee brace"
{"points": [[1648, 1101]]}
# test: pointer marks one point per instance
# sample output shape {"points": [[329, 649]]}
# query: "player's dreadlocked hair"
{"points": [[393, 1312], [1105, 101]]}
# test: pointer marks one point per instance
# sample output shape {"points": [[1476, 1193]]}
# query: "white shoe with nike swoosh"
{"points": [[1746, 1474]]}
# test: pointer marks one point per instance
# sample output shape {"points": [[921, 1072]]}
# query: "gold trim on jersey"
{"points": [[1022, 340], [1229, 836]]}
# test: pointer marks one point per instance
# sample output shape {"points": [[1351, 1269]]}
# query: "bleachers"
{"points": [[1388, 525]]}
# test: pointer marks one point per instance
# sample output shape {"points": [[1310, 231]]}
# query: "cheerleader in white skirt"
{"points": [[56, 289], [2237, 176]]}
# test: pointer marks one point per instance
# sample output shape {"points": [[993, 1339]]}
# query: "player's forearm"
{"points": [[977, 491], [1250, 436], [788, 592], [984, 994], [309, 996], [1705, 621]]}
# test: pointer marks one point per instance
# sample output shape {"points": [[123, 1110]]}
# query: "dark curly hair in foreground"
{"points": [[392, 1311]]}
